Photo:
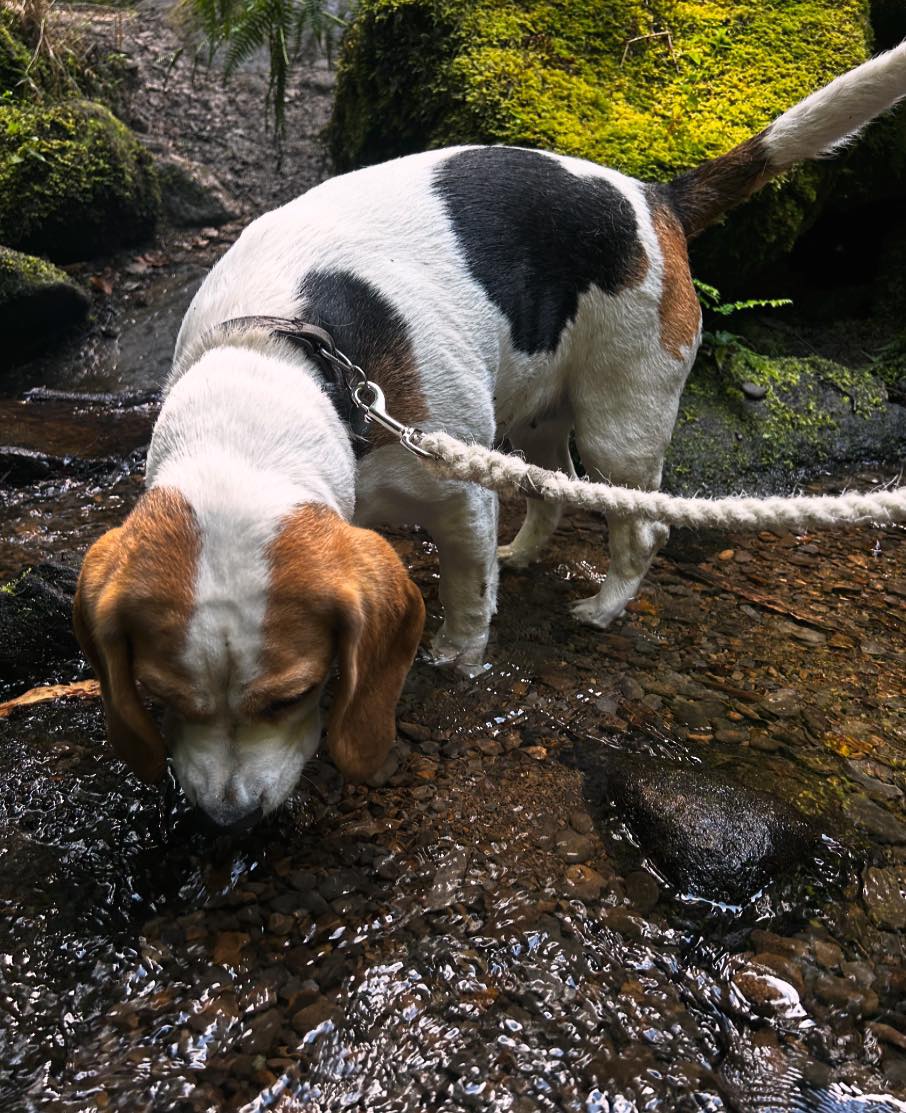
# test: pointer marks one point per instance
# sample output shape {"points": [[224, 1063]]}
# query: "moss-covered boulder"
{"points": [[651, 87], [753, 422], [74, 181], [38, 304]]}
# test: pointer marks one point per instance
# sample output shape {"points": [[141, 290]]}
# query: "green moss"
{"points": [[20, 272], [14, 59], [814, 411], [600, 81], [74, 181]]}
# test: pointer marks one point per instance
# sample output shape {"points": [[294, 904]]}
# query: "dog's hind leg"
{"points": [[623, 429], [547, 444]]}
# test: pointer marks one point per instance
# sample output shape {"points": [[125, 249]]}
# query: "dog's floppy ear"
{"points": [[381, 615], [98, 622]]}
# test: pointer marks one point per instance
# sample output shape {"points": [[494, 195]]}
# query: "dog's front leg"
{"points": [[464, 528]]}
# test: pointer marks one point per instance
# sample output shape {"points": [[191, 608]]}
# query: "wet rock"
{"points": [[190, 194], [884, 892], [827, 953], [36, 621], [574, 847], [584, 883], [844, 994], [879, 822], [310, 1016], [262, 1033], [711, 836], [764, 991], [642, 891], [38, 304]]}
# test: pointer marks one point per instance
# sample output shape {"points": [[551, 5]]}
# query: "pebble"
{"points": [[310, 1016], [784, 702], [875, 819], [767, 993], [262, 1032], [642, 891], [845, 994], [582, 822], [583, 882], [753, 391], [827, 953], [574, 847], [884, 893]]}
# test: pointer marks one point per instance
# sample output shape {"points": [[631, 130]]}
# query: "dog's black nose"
{"points": [[232, 821]]}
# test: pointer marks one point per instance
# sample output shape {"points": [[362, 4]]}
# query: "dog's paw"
{"points": [[591, 613], [464, 657], [511, 557]]}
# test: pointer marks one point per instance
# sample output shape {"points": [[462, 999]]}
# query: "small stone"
{"points": [[767, 993], [415, 731], [582, 822], [742, 556], [490, 747], [784, 968], [584, 883], [753, 391], [844, 994], [280, 924], [784, 702], [827, 953], [262, 1032], [770, 943], [884, 892], [888, 1034], [228, 947], [574, 847], [536, 753], [642, 891], [309, 1017], [631, 689], [726, 554], [875, 819]]}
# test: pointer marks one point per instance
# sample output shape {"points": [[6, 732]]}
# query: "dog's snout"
{"points": [[233, 819]]}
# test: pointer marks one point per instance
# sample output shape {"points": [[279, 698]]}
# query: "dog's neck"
{"points": [[246, 432]]}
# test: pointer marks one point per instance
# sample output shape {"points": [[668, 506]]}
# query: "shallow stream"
{"points": [[584, 887]]}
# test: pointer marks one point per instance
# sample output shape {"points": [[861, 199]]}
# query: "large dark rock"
{"points": [[710, 836], [38, 304], [191, 195], [36, 622]]}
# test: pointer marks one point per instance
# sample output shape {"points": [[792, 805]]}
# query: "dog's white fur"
{"points": [[246, 433]]}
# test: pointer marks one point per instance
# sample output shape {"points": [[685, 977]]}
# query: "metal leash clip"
{"points": [[374, 407], [376, 411]]}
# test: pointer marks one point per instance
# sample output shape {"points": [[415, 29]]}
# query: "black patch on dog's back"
{"points": [[536, 236], [367, 328]]}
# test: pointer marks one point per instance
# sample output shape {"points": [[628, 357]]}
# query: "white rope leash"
{"points": [[497, 471], [512, 475]]}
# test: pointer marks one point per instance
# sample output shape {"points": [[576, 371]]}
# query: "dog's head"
{"points": [[239, 656]]}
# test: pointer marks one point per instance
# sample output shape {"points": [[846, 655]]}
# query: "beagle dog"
{"points": [[491, 292]]}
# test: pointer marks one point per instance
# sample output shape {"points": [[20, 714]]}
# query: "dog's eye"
{"points": [[278, 707]]}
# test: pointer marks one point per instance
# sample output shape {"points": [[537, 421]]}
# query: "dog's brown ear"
{"points": [[381, 619], [98, 622]]}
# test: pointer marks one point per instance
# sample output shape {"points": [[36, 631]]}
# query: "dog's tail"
{"points": [[815, 128]]}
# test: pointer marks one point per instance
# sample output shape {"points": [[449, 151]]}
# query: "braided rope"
{"points": [[512, 475]]}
